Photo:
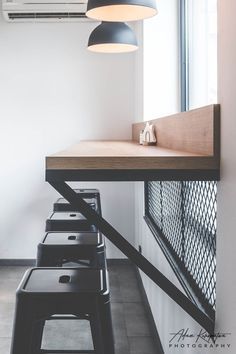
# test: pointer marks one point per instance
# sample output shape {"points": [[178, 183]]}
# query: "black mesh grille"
{"points": [[184, 216], [172, 215]]}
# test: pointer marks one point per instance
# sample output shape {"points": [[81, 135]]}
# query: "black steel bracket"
{"points": [[138, 259], [132, 175]]}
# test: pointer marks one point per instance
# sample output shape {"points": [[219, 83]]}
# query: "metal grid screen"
{"points": [[183, 215]]}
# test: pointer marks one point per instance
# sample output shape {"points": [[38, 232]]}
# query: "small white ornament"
{"points": [[148, 135]]}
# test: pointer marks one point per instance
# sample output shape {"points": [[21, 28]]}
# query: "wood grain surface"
{"points": [[188, 141], [191, 131]]}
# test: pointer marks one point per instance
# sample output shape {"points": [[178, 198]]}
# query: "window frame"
{"points": [[184, 55]]}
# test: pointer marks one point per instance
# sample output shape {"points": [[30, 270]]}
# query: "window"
{"points": [[182, 215], [199, 52]]}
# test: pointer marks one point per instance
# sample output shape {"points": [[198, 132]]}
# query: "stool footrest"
{"points": [[69, 317], [44, 351], [77, 261]]}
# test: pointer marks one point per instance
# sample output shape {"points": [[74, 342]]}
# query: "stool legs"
{"points": [[96, 333], [31, 314], [25, 328], [106, 328], [46, 260], [101, 329]]}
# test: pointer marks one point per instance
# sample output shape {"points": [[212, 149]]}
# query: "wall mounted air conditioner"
{"points": [[44, 10]]}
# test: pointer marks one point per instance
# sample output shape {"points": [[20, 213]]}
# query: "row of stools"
{"points": [[69, 282]]}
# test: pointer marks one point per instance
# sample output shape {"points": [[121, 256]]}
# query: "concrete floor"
{"points": [[130, 322]]}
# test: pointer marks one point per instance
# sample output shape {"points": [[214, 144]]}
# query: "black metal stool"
{"points": [[91, 196], [47, 292], [68, 221], [83, 248]]}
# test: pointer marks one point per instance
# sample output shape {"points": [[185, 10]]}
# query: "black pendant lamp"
{"points": [[121, 10], [112, 37]]}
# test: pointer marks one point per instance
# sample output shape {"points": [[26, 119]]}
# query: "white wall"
{"points": [[53, 92], [226, 240], [169, 317]]}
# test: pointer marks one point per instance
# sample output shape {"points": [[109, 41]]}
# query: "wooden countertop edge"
{"points": [[132, 163]]}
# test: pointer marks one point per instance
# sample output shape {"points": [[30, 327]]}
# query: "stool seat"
{"points": [[63, 205], [56, 293], [74, 238], [64, 280], [68, 221], [59, 248], [90, 196]]}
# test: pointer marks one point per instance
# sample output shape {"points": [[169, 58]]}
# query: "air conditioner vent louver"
{"points": [[45, 11], [45, 15]]}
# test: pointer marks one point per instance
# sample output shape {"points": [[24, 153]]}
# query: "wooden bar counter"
{"points": [[187, 149]]}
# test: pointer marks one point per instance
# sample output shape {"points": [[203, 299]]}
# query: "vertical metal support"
{"points": [[146, 197], [182, 223], [161, 201], [184, 56]]}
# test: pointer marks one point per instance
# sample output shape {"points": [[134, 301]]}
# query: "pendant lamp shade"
{"points": [[112, 37], [121, 10]]}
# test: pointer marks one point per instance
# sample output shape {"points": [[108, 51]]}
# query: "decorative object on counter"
{"points": [[112, 37], [148, 136], [121, 10]]}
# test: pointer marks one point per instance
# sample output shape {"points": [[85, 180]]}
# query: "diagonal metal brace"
{"points": [[138, 259]]}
